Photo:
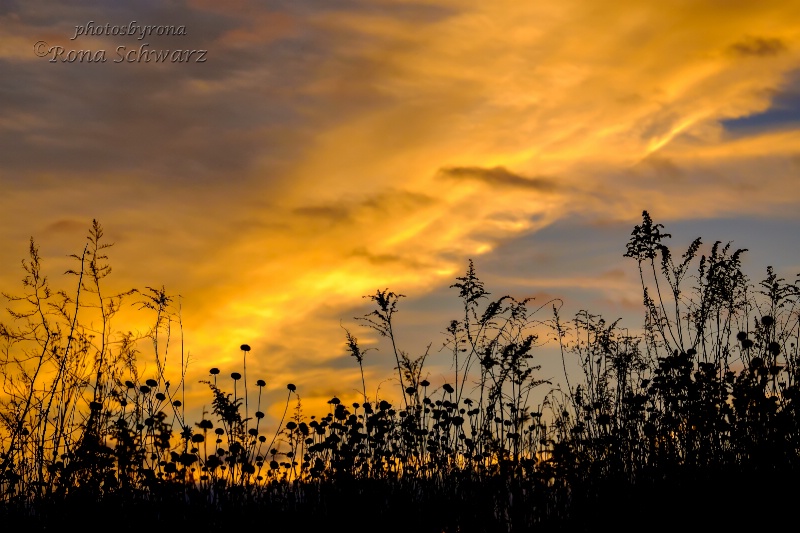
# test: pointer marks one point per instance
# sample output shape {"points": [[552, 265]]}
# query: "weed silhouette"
{"points": [[698, 408]]}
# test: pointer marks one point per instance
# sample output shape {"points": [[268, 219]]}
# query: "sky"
{"points": [[310, 152]]}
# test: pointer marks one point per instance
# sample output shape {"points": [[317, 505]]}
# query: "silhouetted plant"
{"points": [[708, 388]]}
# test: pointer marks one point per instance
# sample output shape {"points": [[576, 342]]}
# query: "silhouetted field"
{"points": [[692, 421]]}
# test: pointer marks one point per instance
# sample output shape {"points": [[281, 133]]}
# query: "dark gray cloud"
{"points": [[417, 12], [660, 169], [758, 46], [238, 118], [331, 213], [386, 259], [499, 177], [8, 6], [398, 201], [784, 111], [163, 123], [66, 226]]}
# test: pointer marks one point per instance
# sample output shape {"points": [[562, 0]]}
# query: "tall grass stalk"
{"points": [[707, 390]]}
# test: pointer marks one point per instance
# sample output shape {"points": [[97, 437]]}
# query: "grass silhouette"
{"points": [[696, 416]]}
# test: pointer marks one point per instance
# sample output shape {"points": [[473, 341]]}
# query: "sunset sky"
{"points": [[329, 148]]}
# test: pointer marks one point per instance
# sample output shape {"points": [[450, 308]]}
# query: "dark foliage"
{"points": [[697, 415]]}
